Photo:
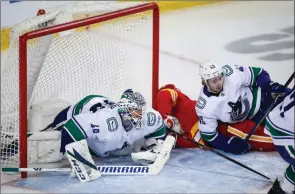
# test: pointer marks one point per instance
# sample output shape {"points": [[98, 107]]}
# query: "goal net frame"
{"points": [[23, 41]]}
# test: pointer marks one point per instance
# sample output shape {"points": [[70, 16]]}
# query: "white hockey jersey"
{"points": [[280, 122], [89, 104], [104, 131], [239, 99]]}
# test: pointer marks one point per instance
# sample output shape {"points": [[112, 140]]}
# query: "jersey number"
{"points": [[95, 128], [202, 120]]}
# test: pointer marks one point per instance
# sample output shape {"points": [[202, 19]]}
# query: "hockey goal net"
{"points": [[86, 48]]}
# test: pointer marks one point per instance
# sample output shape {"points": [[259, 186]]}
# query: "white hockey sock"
{"points": [[286, 185]]}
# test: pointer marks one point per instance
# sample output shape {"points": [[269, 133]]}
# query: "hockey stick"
{"points": [[152, 169], [104, 170], [218, 153], [269, 109]]}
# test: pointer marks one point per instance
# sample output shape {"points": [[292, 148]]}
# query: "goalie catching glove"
{"points": [[148, 152]]}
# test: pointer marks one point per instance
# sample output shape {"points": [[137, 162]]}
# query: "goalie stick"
{"points": [[104, 170], [152, 169]]}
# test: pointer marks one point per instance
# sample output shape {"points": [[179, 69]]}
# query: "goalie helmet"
{"points": [[131, 108], [210, 70]]}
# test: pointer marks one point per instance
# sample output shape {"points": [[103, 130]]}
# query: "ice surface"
{"points": [[188, 171]]}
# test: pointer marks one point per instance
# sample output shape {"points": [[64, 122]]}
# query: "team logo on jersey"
{"points": [[227, 70], [112, 124], [201, 103], [151, 118], [237, 113]]}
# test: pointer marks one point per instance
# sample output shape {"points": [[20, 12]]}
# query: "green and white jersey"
{"points": [[239, 99], [104, 132], [280, 123], [152, 125], [90, 104]]}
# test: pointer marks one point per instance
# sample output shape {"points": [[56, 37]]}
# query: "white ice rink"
{"points": [[244, 33]]}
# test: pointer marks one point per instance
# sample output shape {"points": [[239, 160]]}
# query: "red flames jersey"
{"points": [[171, 101]]}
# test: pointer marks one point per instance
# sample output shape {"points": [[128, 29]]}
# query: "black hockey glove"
{"points": [[237, 146], [274, 88]]}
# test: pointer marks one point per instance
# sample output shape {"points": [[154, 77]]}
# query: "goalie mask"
{"points": [[131, 108]]}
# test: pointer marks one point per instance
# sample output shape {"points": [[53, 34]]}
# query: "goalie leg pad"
{"points": [[44, 147], [59, 120], [81, 161], [43, 113]]}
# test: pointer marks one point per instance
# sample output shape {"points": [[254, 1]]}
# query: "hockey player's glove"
{"points": [[237, 146], [274, 88], [147, 153], [234, 145], [172, 123]]}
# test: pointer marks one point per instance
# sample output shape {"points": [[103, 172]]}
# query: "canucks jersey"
{"points": [[89, 104], [280, 122], [239, 99], [104, 132]]}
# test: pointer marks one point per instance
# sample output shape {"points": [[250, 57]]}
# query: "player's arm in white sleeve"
{"points": [[254, 77], [209, 132], [156, 127], [247, 76], [148, 150], [152, 127]]}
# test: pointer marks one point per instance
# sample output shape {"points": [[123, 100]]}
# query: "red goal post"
{"points": [[23, 62]]}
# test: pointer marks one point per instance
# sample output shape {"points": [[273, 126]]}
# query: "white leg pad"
{"points": [[42, 114], [44, 147], [81, 161]]}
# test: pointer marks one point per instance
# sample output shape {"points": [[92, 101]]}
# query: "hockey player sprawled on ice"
{"points": [[104, 127], [232, 94], [179, 114]]}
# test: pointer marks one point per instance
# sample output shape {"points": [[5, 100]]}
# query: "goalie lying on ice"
{"points": [[113, 128]]}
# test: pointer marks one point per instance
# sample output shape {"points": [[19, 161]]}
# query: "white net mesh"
{"points": [[104, 59]]}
